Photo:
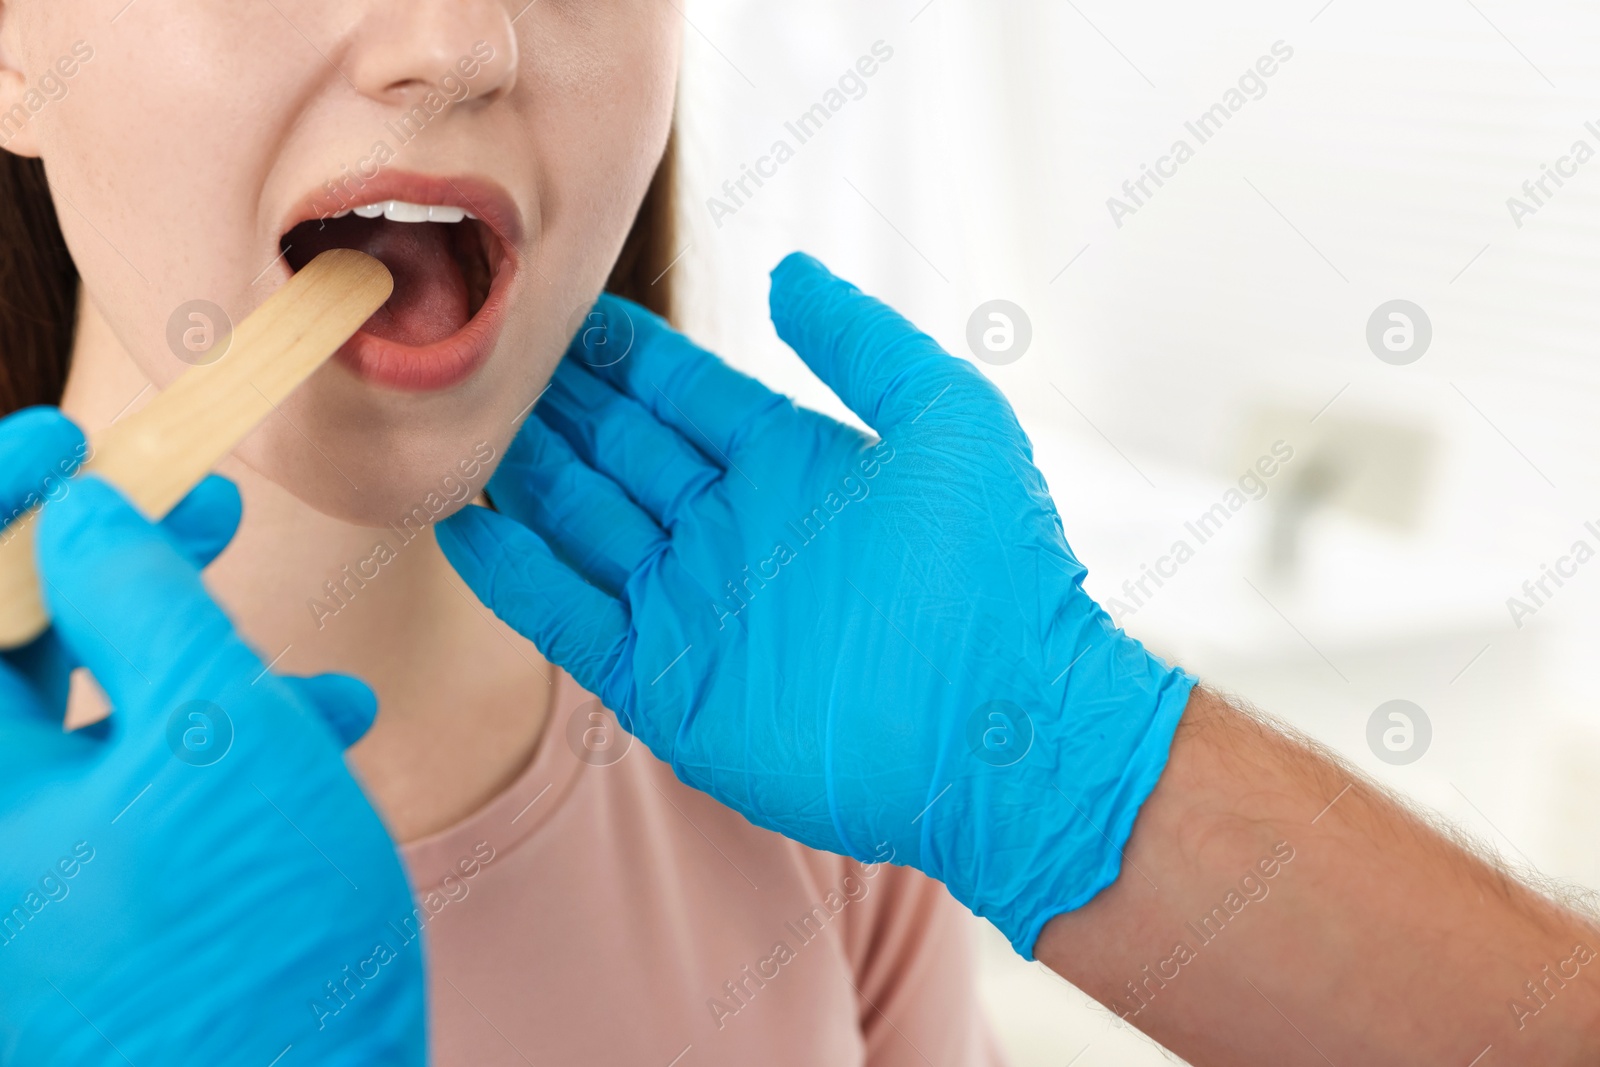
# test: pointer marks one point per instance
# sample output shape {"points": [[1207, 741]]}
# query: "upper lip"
{"points": [[483, 197]]}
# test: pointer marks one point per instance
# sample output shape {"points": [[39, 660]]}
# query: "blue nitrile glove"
{"points": [[879, 648], [181, 883]]}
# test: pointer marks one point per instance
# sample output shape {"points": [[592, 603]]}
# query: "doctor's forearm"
{"points": [[1276, 908]]}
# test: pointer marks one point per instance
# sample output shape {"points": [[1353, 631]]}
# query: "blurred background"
{"points": [[1156, 348]]}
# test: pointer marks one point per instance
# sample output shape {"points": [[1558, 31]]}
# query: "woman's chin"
{"points": [[412, 480]]}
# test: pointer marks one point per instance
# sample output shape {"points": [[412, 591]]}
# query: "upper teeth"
{"points": [[404, 211]]}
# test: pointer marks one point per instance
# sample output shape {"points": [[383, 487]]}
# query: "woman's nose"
{"points": [[461, 49]]}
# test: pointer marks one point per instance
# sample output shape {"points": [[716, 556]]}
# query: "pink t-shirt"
{"points": [[600, 912]]}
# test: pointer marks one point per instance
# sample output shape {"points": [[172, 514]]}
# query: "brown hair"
{"points": [[39, 282], [38, 289], [640, 273]]}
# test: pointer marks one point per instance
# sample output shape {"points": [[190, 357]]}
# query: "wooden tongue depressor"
{"points": [[156, 455]]}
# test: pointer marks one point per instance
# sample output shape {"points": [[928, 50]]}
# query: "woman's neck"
{"points": [[462, 698]]}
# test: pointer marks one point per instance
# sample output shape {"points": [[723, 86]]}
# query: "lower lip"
{"points": [[430, 368]]}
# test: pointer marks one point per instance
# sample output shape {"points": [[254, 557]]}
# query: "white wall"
{"points": [[1225, 315]]}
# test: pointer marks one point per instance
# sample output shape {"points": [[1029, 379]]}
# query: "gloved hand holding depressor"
{"points": [[878, 647], [277, 877]]}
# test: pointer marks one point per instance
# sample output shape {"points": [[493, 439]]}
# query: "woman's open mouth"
{"points": [[451, 246]]}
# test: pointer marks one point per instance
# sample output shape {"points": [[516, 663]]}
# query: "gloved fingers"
{"points": [[884, 369], [205, 521], [36, 678], [30, 744], [201, 526], [348, 705], [682, 384], [585, 516], [20, 701], [517, 576], [132, 609], [40, 449], [617, 436]]}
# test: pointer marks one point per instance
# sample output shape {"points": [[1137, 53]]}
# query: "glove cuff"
{"points": [[1096, 868], [1028, 841]]}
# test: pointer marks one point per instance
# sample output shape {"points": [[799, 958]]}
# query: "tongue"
{"points": [[430, 301]]}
